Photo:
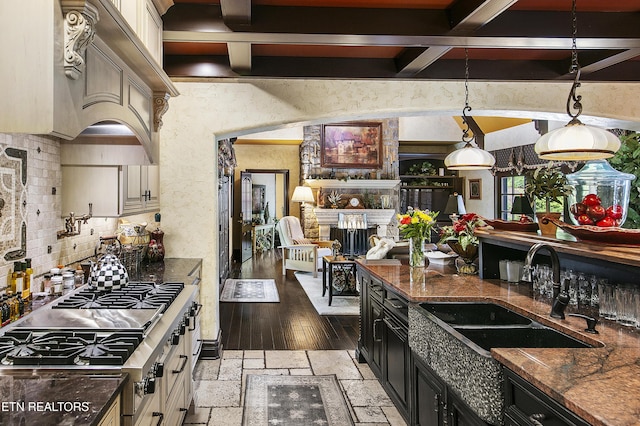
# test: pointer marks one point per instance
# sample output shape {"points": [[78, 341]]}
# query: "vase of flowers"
{"points": [[461, 238], [416, 226]]}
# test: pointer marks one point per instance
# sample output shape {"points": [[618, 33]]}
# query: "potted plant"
{"points": [[546, 185], [462, 239], [627, 160]]}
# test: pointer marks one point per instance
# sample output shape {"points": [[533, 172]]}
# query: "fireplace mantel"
{"points": [[353, 183], [380, 218]]}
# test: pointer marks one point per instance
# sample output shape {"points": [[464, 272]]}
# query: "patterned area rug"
{"points": [[249, 290], [340, 305], [294, 401]]}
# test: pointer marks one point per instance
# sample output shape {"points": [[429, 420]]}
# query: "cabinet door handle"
{"points": [[536, 418], [445, 417], [160, 417], [185, 359], [436, 403], [396, 306], [375, 334]]}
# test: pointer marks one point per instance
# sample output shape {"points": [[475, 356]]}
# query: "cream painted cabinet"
{"points": [[112, 190], [112, 418], [141, 189], [98, 185]]}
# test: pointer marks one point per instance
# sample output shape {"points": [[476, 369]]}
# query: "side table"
{"points": [[340, 273]]}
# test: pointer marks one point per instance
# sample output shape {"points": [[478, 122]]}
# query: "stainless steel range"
{"points": [[144, 329]]}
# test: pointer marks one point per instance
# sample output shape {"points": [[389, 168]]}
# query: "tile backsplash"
{"points": [[43, 210]]}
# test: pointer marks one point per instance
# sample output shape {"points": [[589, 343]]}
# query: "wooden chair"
{"points": [[298, 252]]}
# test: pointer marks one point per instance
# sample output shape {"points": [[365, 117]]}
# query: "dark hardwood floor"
{"points": [[292, 324]]}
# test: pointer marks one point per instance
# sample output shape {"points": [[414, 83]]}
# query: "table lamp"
{"points": [[302, 194], [522, 206], [455, 206]]}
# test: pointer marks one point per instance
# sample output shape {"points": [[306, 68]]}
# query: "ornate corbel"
{"points": [[160, 106], [80, 19]]}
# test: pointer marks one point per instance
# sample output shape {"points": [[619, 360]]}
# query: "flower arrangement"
{"points": [[463, 230], [416, 223]]}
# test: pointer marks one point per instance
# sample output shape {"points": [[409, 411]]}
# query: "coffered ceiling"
{"points": [[508, 40]]}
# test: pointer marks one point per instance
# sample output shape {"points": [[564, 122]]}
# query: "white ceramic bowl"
{"points": [[440, 258]]}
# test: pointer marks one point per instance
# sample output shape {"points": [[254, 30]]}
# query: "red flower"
{"points": [[469, 217], [405, 220], [459, 226]]}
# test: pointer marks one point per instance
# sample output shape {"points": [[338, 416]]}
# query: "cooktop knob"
{"points": [[149, 385], [158, 369]]}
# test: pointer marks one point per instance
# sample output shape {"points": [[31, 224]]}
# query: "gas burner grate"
{"points": [[68, 347], [142, 295]]}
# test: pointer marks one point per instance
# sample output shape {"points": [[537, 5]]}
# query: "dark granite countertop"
{"points": [[171, 270], [41, 398], [601, 385]]}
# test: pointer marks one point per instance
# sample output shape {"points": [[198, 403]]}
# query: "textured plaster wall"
{"points": [[211, 110]]}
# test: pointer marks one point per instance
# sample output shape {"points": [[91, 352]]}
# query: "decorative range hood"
{"points": [[75, 63]]}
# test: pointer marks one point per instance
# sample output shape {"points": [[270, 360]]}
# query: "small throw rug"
{"points": [[294, 401], [340, 305], [249, 290]]}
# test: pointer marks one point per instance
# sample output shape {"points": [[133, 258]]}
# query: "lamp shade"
{"points": [[521, 205], [455, 205], [469, 158], [303, 194], [577, 142]]}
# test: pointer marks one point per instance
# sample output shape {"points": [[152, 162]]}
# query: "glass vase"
{"points": [[416, 252]]}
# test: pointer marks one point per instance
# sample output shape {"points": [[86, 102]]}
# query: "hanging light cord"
{"points": [[465, 132], [575, 68]]}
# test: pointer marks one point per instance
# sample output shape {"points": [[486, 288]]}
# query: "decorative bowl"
{"points": [[612, 235], [440, 258], [510, 225]]}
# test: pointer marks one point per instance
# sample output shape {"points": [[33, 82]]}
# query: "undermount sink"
{"points": [[534, 337], [485, 325], [474, 314]]}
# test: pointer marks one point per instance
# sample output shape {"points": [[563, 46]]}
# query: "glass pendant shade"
{"points": [[577, 142], [469, 158]]}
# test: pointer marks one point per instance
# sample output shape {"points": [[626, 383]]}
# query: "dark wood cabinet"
{"points": [[396, 359], [429, 192], [428, 398], [370, 344], [384, 339], [420, 396], [527, 405]]}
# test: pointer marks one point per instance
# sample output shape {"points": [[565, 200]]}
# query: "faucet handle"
{"points": [[526, 273], [591, 322]]}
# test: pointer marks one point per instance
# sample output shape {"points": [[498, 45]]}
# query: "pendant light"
{"points": [[469, 157], [576, 141]]}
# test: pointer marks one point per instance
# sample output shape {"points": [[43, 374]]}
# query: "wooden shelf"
{"points": [[425, 187]]}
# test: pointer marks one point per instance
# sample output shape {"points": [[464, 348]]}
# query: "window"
{"points": [[510, 186]]}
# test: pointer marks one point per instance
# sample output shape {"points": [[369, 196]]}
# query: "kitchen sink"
{"points": [[475, 314], [533, 337]]}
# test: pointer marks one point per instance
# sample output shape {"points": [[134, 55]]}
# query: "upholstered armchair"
{"points": [[299, 253]]}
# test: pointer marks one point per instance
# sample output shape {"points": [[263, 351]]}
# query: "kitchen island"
{"points": [[601, 385]]}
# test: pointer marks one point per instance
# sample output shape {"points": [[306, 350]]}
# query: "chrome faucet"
{"points": [[560, 298]]}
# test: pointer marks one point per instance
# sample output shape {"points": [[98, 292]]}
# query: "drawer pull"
{"points": [[160, 415], [391, 326], [375, 334], [397, 306], [536, 419], [185, 359]]}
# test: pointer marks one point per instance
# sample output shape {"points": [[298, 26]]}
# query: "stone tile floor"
{"points": [[219, 384]]}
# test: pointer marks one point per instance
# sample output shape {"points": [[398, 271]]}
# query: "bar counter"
{"points": [[600, 384]]}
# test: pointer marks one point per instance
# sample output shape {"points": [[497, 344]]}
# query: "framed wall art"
{"points": [[351, 145], [475, 189]]}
